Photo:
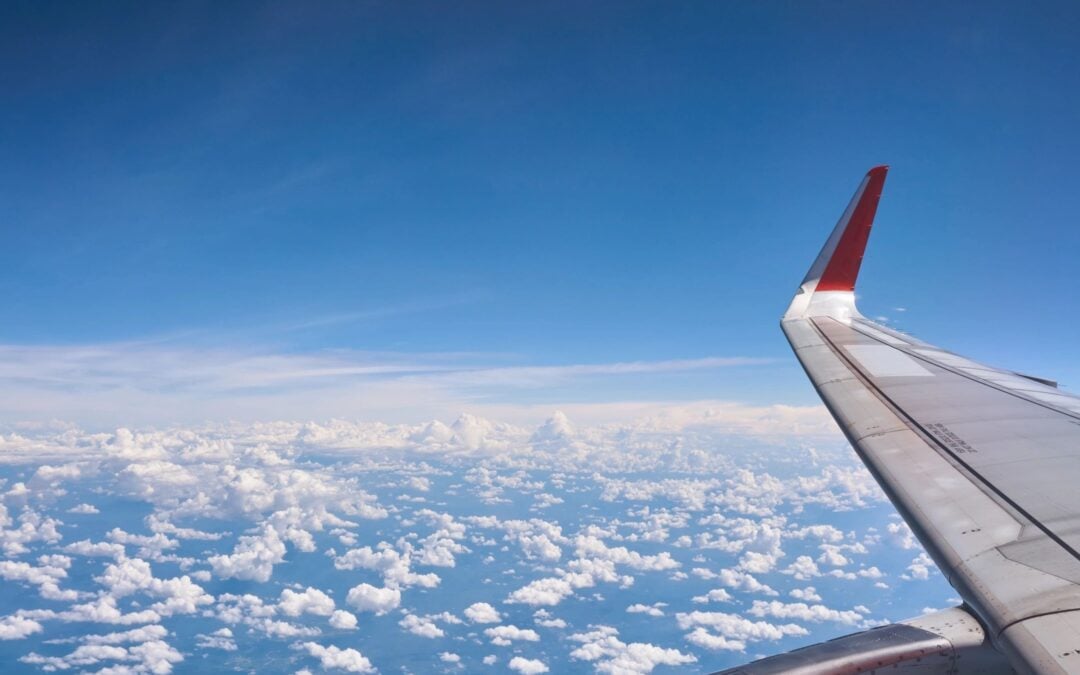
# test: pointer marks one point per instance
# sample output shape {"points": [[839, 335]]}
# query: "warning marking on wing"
{"points": [[949, 439]]}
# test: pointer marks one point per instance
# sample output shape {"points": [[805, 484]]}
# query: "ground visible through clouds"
{"points": [[653, 546]]}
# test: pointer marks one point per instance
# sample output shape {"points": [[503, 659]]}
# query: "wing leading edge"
{"points": [[983, 463]]}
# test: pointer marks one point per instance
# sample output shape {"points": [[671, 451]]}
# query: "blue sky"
{"points": [[545, 186]]}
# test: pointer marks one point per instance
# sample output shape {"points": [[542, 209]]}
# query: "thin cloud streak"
{"points": [[157, 382]]}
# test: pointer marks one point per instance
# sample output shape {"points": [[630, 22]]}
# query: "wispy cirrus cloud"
{"points": [[166, 382]]}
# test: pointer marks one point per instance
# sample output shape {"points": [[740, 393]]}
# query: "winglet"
{"points": [[829, 286]]}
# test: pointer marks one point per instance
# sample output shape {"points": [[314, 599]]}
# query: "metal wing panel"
{"points": [[919, 434], [983, 463], [989, 431]]}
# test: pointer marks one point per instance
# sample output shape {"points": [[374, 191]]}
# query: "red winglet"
{"points": [[843, 266]]}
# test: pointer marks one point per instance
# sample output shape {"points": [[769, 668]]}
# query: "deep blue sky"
{"points": [[562, 183]]}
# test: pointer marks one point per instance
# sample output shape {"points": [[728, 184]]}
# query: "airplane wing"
{"points": [[983, 463]]}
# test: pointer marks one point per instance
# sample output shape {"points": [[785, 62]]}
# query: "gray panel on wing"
{"points": [[1026, 453]]}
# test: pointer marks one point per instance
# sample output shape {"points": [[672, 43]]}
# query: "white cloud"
{"points": [[655, 609], [253, 558], [504, 635], [547, 591], [100, 549], [803, 568], [220, 639], [920, 567], [808, 594], [482, 612], [742, 581], [46, 577], [545, 619], [368, 598], [595, 548], [343, 620], [831, 555], [527, 666], [334, 658], [675, 491], [715, 595], [33, 527], [701, 637], [804, 612], [158, 382], [147, 653], [17, 627], [178, 595], [870, 573], [901, 535], [602, 646], [250, 610], [422, 626], [733, 631], [395, 567], [419, 483], [310, 601]]}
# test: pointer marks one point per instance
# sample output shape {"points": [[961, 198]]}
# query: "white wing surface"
{"points": [[983, 464]]}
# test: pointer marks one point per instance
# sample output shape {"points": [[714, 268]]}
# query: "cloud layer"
{"points": [[691, 536]]}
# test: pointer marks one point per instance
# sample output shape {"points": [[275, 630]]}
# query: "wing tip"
{"points": [[842, 267], [837, 265]]}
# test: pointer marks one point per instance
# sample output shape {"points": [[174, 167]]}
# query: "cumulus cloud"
{"points": [[804, 612], [715, 595], [505, 635], [527, 666], [679, 508], [920, 567], [178, 595], [723, 631], [482, 612], [803, 568], [140, 650], [343, 620], [220, 639], [602, 646], [743, 581], [17, 627], [808, 594], [253, 557], [309, 601], [335, 658], [422, 626], [368, 598], [901, 535], [46, 576], [395, 567]]}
